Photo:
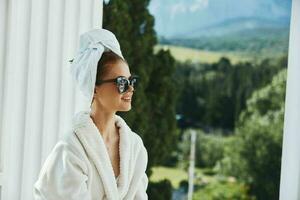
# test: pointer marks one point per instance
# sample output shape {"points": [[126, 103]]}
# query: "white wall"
{"points": [[290, 167], [37, 95]]}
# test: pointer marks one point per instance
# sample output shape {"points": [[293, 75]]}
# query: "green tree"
{"points": [[256, 157], [214, 95], [153, 112], [209, 149]]}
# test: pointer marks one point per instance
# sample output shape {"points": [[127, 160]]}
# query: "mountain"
{"points": [[244, 26], [175, 18]]}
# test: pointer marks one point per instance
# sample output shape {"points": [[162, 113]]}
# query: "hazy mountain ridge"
{"points": [[253, 35], [176, 17], [236, 26]]}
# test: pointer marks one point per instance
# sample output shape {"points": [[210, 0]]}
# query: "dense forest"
{"points": [[214, 95], [240, 127]]}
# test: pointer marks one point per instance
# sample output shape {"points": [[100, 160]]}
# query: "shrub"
{"points": [[209, 149], [222, 191], [160, 190]]}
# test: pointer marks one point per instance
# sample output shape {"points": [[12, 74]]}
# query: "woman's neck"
{"points": [[105, 122]]}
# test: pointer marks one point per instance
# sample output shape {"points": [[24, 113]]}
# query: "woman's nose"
{"points": [[131, 88]]}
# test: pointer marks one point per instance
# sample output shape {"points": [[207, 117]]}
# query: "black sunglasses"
{"points": [[122, 82]]}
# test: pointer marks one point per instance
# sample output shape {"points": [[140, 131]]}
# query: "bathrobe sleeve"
{"points": [[141, 193], [62, 176]]}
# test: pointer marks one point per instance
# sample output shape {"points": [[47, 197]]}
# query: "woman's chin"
{"points": [[125, 108]]}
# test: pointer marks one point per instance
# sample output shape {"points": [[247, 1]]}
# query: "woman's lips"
{"points": [[127, 99]]}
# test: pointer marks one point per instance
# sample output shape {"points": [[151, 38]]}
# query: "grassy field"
{"points": [[183, 54], [207, 184], [176, 175]]}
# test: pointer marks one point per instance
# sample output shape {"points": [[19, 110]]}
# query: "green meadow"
{"points": [[176, 175], [183, 54]]}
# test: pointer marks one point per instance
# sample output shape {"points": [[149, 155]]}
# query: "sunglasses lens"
{"points": [[122, 88], [122, 84], [134, 82]]}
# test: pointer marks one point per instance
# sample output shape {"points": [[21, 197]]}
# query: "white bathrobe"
{"points": [[79, 167]]}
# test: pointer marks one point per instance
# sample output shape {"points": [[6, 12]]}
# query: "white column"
{"points": [[97, 18], [290, 167], [3, 24], [15, 94], [67, 101], [37, 93], [34, 98], [3, 19], [52, 90], [192, 165]]}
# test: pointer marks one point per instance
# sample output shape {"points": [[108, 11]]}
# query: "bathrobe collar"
{"points": [[92, 141]]}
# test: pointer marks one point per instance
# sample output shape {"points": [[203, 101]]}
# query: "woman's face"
{"points": [[107, 96]]}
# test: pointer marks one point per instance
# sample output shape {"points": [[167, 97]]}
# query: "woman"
{"points": [[101, 157]]}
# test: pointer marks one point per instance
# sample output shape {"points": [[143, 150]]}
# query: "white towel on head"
{"points": [[84, 66]]}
